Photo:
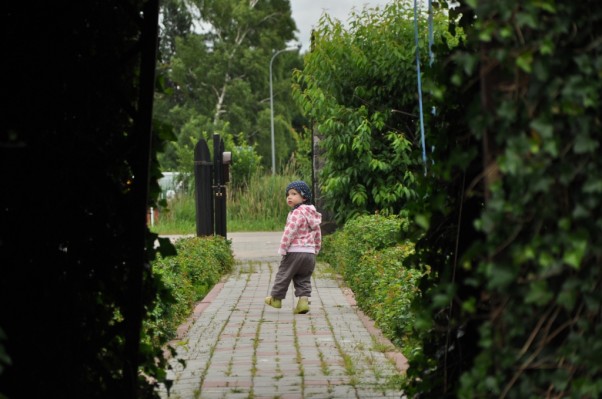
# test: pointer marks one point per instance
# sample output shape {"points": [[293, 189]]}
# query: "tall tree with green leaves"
{"points": [[176, 21], [358, 86], [219, 80]]}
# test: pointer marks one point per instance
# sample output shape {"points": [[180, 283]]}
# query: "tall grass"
{"points": [[259, 205], [178, 217]]}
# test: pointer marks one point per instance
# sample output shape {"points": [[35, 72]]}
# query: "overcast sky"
{"points": [[306, 13]]}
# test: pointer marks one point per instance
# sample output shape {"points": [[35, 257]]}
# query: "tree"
{"points": [[219, 76], [358, 86], [176, 21]]}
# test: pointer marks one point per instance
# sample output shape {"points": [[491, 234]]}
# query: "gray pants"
{"points": [[296, 266]]}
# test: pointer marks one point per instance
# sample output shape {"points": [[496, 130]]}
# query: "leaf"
{"points": [[423, 221], [568, 293], [584, 144], [543, 127], [547, 5], [470, 305], [524, 61], [539, 293], [501, 276], [576, 251]]}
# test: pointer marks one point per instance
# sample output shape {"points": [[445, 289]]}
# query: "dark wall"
{"points": [[74, 155]]}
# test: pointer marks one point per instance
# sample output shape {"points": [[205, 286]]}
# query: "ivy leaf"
{"points": [[543, 127], [539, 293], [592, 185], [422, 221], [500, 276], [525, 61], [584, 143], [470, 305], [547, 5], [568, 294], [574, 255]]}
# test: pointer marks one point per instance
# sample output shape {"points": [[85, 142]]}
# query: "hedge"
{"points": [[369, 253], [185, 279]]}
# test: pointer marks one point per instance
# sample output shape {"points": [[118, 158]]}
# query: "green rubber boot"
{"points": [[302, 305], [273, 302]]}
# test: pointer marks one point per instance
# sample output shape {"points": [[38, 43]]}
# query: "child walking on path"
{"points": [[300, 243]]}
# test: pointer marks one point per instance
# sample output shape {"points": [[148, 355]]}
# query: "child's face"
{"points": [[293, 198]]}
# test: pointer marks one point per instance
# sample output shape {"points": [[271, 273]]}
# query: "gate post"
{"points": [[202, 188], [219, 186]]}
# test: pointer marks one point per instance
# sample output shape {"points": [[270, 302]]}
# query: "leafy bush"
{"points": [[369, 253], [185, 279], [360, 235], [245, 163], [358, 88]]}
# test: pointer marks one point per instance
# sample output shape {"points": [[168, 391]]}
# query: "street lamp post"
{"points": [[272, 107]]}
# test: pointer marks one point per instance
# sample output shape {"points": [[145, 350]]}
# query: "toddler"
{"points": [[300, 243]]}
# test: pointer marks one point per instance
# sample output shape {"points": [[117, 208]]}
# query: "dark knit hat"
{"points": [[301, 187]]}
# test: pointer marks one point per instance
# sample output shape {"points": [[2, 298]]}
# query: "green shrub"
{"points": [[359, 235], [370, 255], [384, 289], [185, 279], [245, 164]]}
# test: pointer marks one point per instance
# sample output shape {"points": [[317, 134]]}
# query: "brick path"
{"points": [[240, 348]]}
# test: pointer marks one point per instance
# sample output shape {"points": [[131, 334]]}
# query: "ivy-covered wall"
{"points": [[514, 232]]}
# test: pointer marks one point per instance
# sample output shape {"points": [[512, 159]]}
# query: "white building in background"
{"points": [[170, 184]]}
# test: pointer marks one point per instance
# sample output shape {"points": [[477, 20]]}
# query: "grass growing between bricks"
{"points": [[348, 365], [323, 364], [208, 363], [299, 357]]}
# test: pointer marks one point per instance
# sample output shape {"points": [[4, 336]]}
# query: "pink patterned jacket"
{"points": [[302, 231]]}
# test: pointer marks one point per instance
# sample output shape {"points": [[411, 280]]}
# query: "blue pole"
{"points": [[419, 85]]}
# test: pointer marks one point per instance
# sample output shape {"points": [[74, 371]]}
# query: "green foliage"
{"points": [[183, 280], [301, 161], [371, 256], [515, 199], [176, 21], [358, 86], [360, 235], [246, 163], [218, 80]]}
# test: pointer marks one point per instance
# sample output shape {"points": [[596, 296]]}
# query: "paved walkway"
{"points": [[240, 348]]}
